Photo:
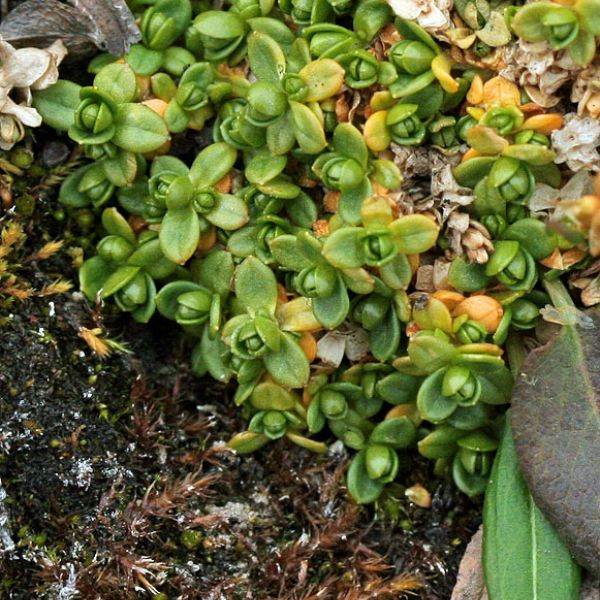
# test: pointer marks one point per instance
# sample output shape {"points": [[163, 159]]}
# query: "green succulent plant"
{"points": [[285, 251], [563, 27]]}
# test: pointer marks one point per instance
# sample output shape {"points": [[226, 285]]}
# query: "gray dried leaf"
{"points": [[115, 29], [89, 24]]}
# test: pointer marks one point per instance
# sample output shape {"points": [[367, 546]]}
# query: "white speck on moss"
{"points": [[80, 475]]}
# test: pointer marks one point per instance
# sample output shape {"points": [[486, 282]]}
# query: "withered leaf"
{"points": [[89, 24], [115, 28], [556, 424]]}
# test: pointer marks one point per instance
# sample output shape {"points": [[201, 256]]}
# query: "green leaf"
{"points": [[384, 338], [556, 425], [285, 251], [331, 310], [92, 275], [432, 404], [69, 193], [288, 366], [179, 234], [470, 172], [215, 271], [528, 22], [414, 234], [441, 442], [144, 313], [263, 167], [399, 432], [118, 81], [213, 352], [523, 557], [351, 201], [323, 78], [467, 276], [119, 279], [150, 257], [533, 154], [116, 224], [256, 286], [212, 164], [247, 442], [122, 169], [583, 48], [166, 300], [307, 129], [144, 61], [589, 11], [229, 213], [57, 104], [429, 352], [344, 248], [280, 135], [533, 236], [361, 487], [267, 60], [220, 24], [270, 396], [139, 128], [280, 187]]}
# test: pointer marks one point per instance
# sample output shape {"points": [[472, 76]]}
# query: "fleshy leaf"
{"points": [[139, 128], [256, 286], [179, 234], [57, 104], [344, 249], [307, 129], [288, 366], [212, 164]]}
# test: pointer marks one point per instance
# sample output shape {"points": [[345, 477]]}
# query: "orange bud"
{"points": [[545, 123], [485, 309]]}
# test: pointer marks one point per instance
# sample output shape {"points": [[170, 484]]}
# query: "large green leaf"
{"points": [[307, 129], [361, 487], [267, 60], [344, 248], [179, 234], [523, 557], [212, 164], [556, 424], [57, 104], [139, 128], [256, 286], [289, 365], [331, 310], [118, 81], [229, 213]]}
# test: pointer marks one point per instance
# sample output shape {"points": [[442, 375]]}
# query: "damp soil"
{"points": [[118, 484]]}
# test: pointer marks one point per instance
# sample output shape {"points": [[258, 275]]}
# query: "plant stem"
{"points": [[558, 293], [515, 351]]}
